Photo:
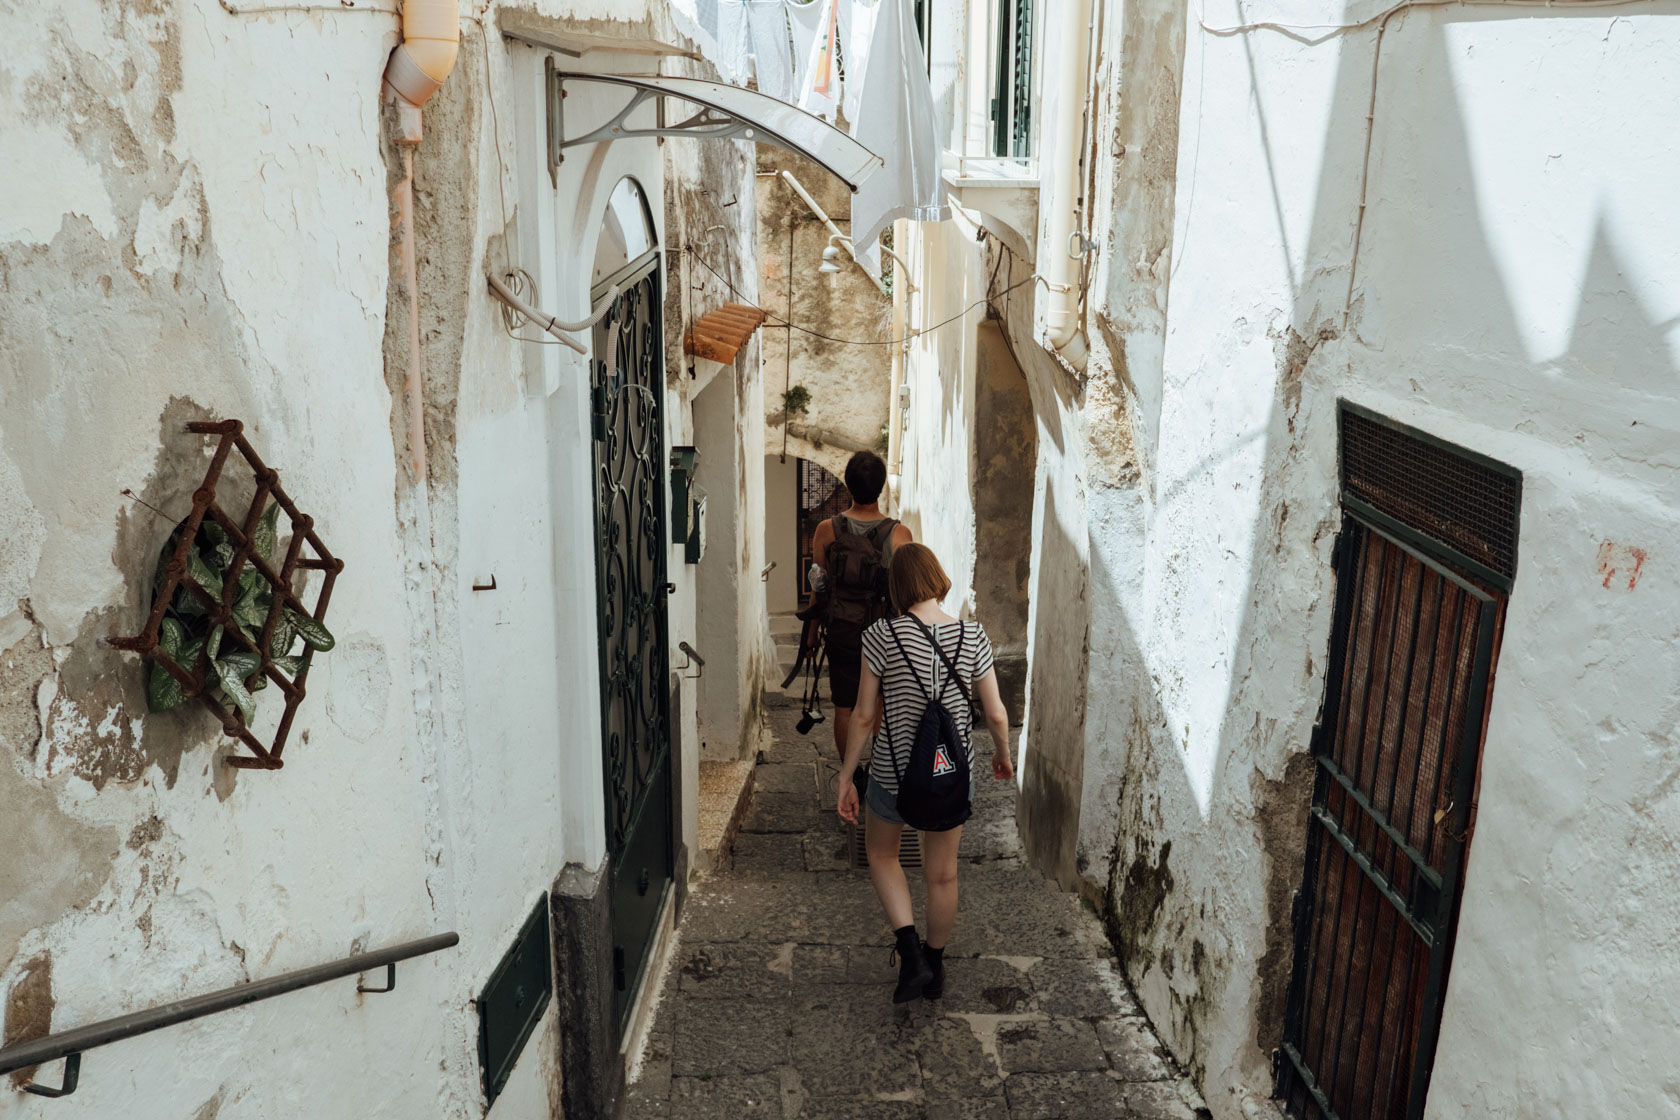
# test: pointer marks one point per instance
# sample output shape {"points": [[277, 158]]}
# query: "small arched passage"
{"points": [[1005, 460]]}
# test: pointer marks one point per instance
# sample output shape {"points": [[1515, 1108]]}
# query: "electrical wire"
{"points": [[1298, 31], [342, 6], [781, 322]]}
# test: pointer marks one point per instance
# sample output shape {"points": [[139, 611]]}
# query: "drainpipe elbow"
{"points": [[431, 40], [1062, 333]]}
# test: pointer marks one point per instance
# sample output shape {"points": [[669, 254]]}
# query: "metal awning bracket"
{"points": [[725, 113]]}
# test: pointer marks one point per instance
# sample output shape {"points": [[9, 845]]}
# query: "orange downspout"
{"points": [[431, 31]]}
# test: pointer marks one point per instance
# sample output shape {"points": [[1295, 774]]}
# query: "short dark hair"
{"points": [[866, 477], [916, 576]]}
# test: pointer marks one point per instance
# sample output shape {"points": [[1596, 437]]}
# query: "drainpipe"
{"points": [[900, 352], [1061, 262], [431, 31]]}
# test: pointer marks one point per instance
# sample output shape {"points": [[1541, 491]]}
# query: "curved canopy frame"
{"points": [[726, 113]]}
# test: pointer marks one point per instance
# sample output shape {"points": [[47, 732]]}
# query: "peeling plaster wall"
{"points": [[1515, 294], [206, 232], [712, 208]]}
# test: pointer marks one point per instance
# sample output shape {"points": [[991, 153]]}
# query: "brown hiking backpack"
{"points": [[857, 577]]}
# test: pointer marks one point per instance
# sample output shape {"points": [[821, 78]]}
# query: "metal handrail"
{"points": [[71, 1044]]}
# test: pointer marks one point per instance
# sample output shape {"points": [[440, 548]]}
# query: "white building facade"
{"points": [[1223, 252], [206, 221]]}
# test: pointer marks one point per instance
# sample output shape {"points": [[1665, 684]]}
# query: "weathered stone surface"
{"points": [[819, 964], [1065, 1096], [1133, 1051], [1159, 1100], [726, 1098], [778, 1000], [780, 812], [805, 909], [859, 1110], [984, 841], [726, 1036], [827, 850], [844, 1046], [768, 853], [955, 1065], [1015, 913], [650, 1097], [985, 986], [786, 777], [735, 971], [1050, 1046], [1081, 989], [975, 1108], [788, 746]]}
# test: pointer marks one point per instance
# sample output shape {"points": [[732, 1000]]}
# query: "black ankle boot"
{"points": [[935, 987], [913, 971]]}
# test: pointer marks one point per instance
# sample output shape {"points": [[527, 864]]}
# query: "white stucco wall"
{"points": [[1503, 301], [1515, 294], [207, 232]]}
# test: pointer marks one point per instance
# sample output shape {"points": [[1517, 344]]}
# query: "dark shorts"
{"points": [[845, 662]]}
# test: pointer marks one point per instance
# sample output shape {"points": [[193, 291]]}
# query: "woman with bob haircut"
{"points": [[901, 670]]}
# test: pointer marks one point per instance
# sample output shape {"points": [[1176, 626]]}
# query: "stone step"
{"points": [[725, 792]]}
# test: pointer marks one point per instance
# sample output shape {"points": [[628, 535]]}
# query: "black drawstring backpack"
{"points": [[933, 786]]}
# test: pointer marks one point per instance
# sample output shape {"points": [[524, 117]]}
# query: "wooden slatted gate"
{"points": [[1425, 559]]}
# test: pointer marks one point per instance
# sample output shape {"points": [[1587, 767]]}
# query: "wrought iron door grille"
{"points": [[1397, 747], [1465, 502], [821, 496], [631, 554]]}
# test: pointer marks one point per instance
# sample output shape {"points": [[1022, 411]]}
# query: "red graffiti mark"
{"points": [[1620, 560]]}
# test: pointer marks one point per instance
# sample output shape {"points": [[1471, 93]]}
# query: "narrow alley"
{"points": [[776, 1002]]}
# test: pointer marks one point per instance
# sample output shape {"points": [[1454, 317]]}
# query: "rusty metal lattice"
{"points": [[196, 679]]}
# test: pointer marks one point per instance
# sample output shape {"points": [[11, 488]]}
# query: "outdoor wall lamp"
{"points": [[833, 254]]}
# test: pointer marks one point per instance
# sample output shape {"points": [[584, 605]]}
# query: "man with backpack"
{"points": [[854, 550]]}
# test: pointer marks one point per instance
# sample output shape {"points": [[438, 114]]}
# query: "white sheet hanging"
{"points": [[803, 20], [859, 42], [819, 84], [895, 118], [772, 50]]}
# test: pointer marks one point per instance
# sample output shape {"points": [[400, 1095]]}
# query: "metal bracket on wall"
{"points": [[725, 113], [694, 661], [72, 1073], [390, 981]]}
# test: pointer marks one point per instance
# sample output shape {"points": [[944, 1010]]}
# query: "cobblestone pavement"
{"points": [[778, 1000]]}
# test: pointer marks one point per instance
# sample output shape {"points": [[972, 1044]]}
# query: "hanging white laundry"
{"points": [[819, 86], [858, 43], [772, 49], [895, 119], [803, 21], [734, 48]]}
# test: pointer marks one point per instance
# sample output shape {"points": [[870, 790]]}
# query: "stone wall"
{"points": [[847, 385]]}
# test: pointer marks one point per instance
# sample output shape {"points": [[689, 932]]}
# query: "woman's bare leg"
{"points": [[881, 841], [939, 870]]}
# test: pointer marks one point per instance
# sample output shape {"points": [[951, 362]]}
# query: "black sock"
{"points": [[905, 933], [934, 956]]}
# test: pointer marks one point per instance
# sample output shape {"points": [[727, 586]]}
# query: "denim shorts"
{"points": [[885, 805], [882, 803]]}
